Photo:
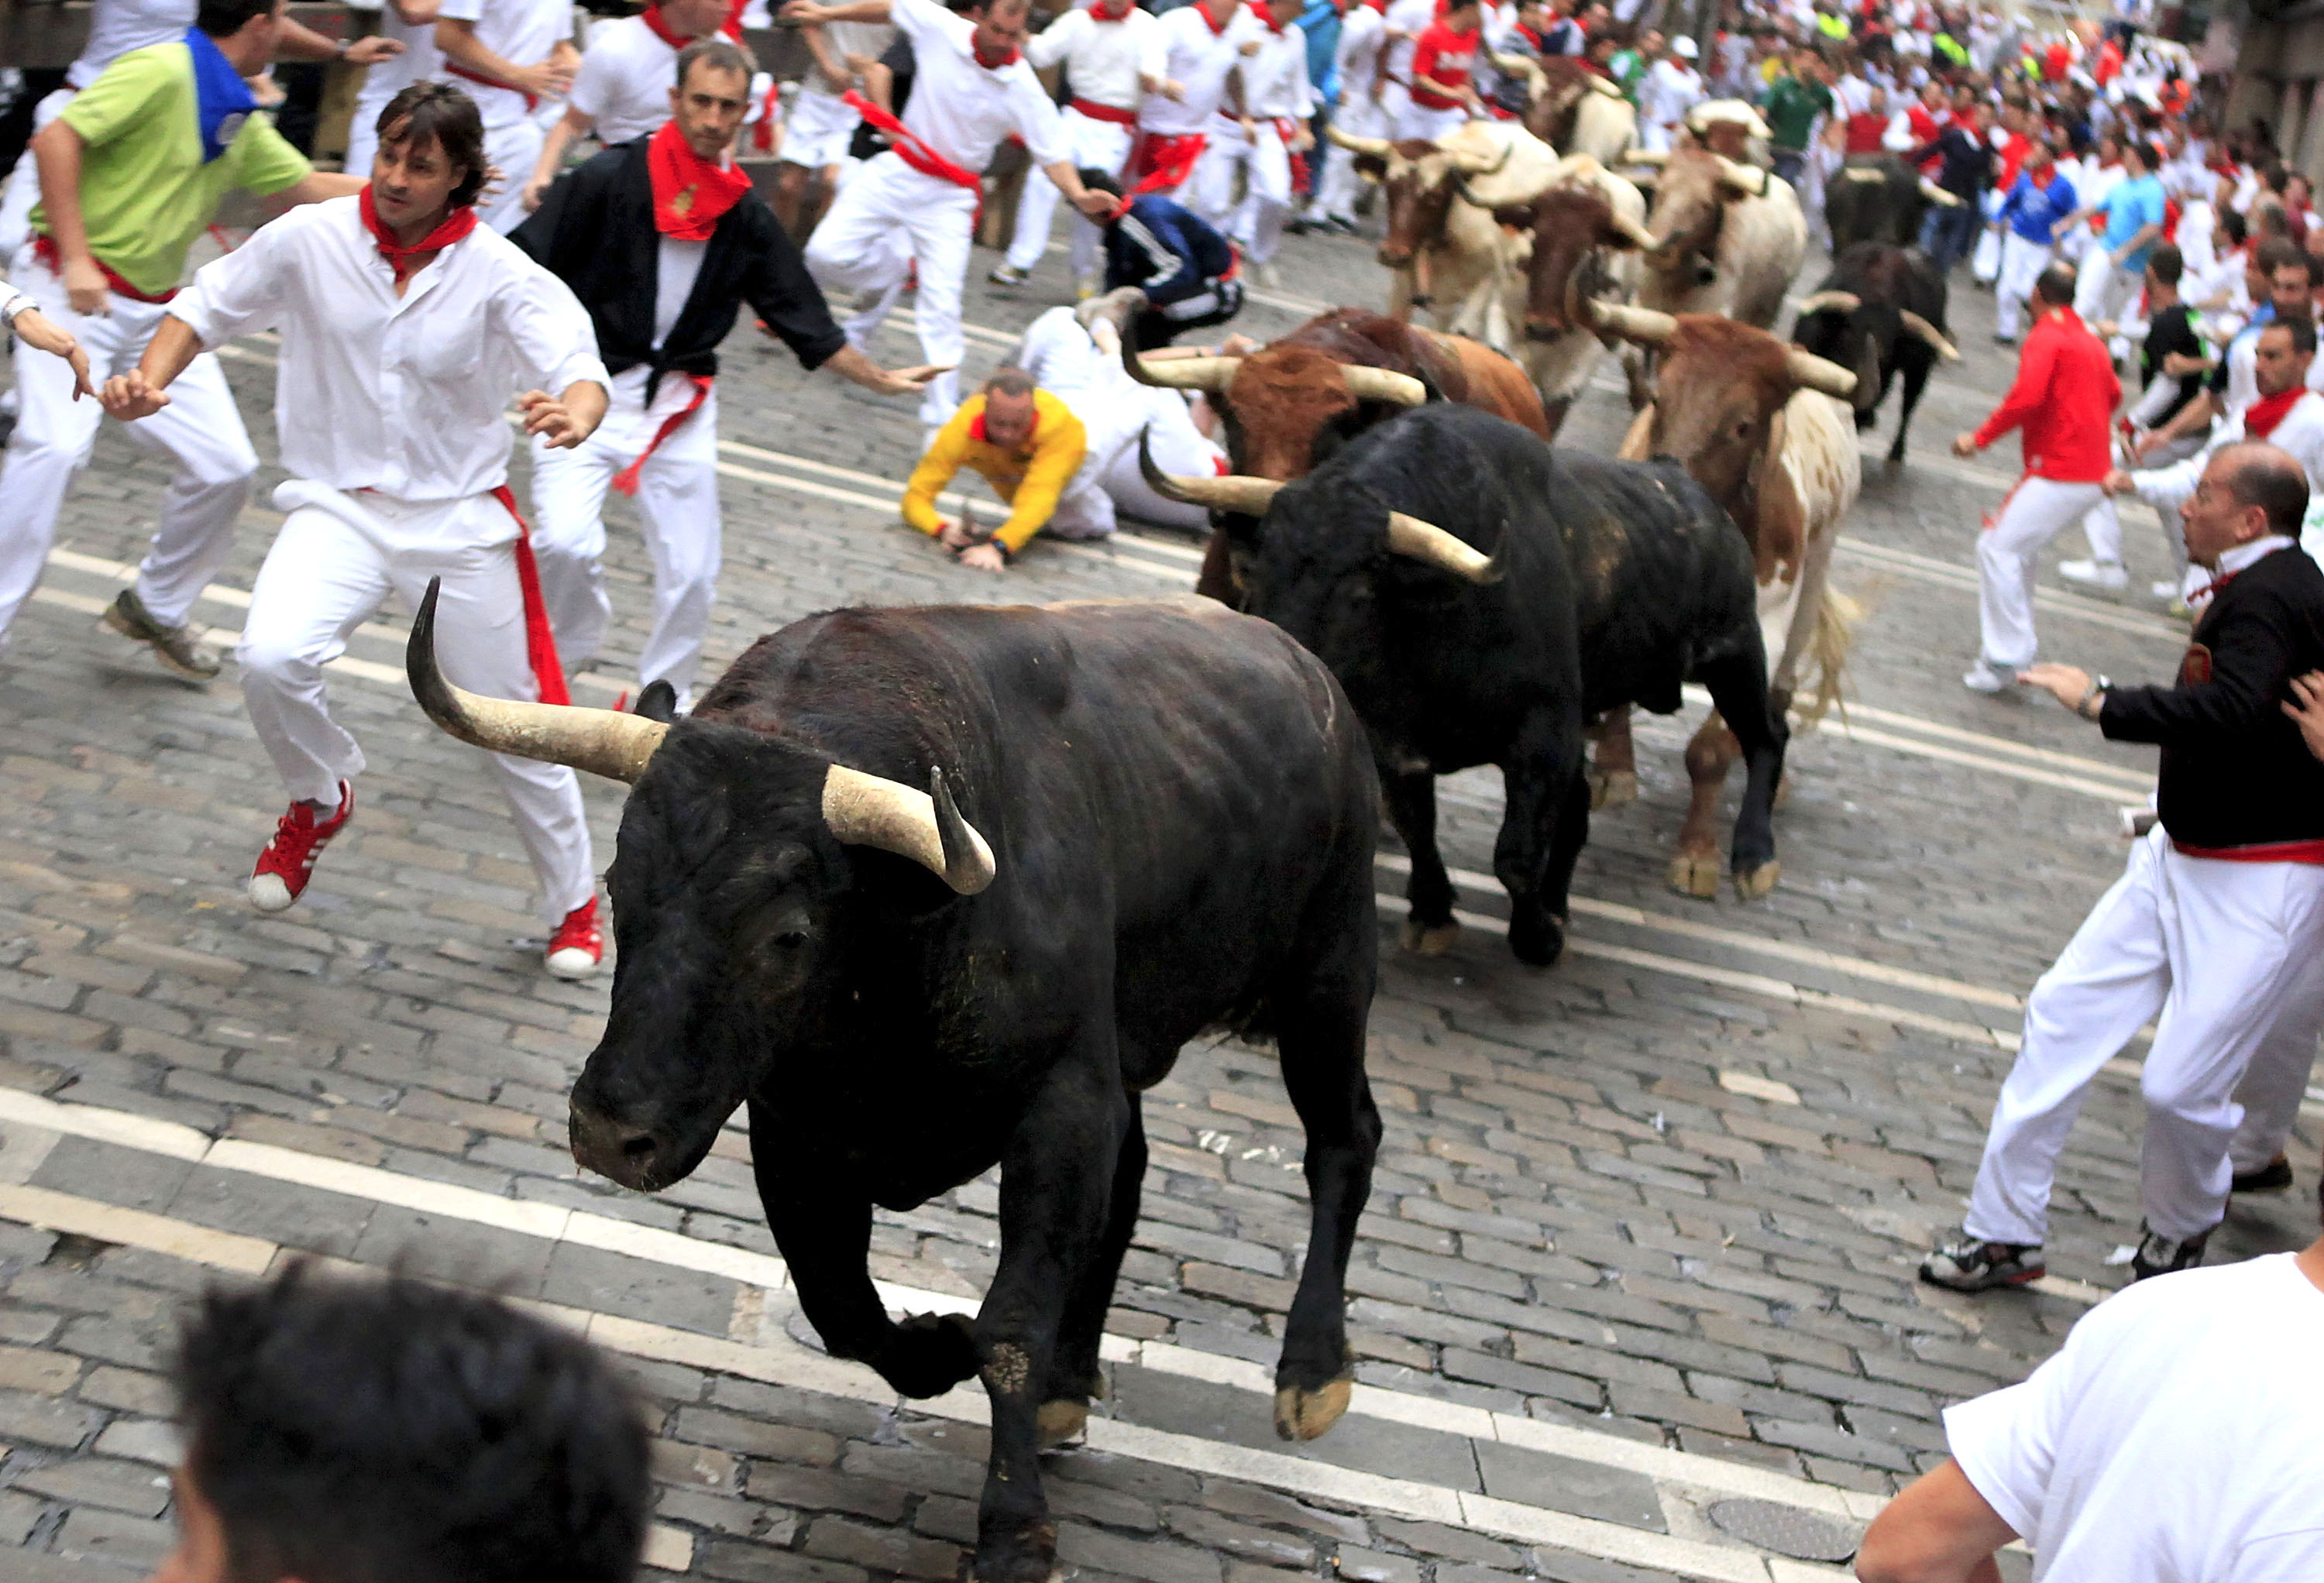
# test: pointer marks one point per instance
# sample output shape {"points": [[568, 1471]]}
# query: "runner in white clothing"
{"points": [[1264, 142], [1201, 44], [1363, 29], [23, 316], [1672, 87], [1406, 21], [512, 57], [622, 89], [1113, 55], [411, 24], [844, 57], [916, 204], [406, 328]]}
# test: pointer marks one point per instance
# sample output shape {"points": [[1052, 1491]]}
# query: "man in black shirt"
{"points": [[2214, 933], [1967, 151], [662, 239]]}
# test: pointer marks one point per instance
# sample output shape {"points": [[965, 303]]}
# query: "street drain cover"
{"points": [[1787, 1530]]}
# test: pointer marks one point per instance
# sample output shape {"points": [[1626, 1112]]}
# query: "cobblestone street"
{"points": [[1638, 1277]]}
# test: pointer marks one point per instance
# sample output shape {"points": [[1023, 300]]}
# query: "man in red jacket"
{"points": [[2064, 400]]}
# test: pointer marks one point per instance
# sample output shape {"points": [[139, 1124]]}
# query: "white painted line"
{"points": [[104, 1223], [2096, 612]]}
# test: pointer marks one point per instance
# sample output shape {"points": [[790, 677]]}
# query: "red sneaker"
{"points": [[578, 947], [288, 861]]}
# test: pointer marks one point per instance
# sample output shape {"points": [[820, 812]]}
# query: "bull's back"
{"points": [[1761, 243], [1491, 382]]}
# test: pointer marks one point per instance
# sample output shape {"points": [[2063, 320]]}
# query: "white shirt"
{"points": [[1199, 59], [2300, 431], [868, 38], [1362, 31], [1670, 90], [403, 395], [115, 27], [1063, 359], [1104, 60], [520, 31], [625, 81], [420, 59], [675, 265], [960, 109], [1275, 80], [1412, 17], [2172, 1439]]}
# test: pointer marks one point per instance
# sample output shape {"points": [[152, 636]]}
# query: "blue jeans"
{"points": [[1948, 234]]}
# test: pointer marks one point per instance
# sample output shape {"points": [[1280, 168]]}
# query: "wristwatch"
{"points": [[2100, 685], [340, 50], [16, 303]]}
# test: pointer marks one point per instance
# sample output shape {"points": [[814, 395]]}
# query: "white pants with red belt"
{"points": [[678, 507], [200, 430], [2220, 955], [886, 219], [1104, 145], [335, 561], [1264, 162], [2005, 552]]}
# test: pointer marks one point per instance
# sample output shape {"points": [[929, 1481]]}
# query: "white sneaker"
{"points": [[2107, 574], [2166, 591], [1984, 676]]}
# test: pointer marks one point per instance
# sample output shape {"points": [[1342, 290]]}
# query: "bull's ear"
{"points": [[1371, 166], [1517, 216]]}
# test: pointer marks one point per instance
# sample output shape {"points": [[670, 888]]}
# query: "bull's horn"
{"points": [[1938, 195], [1235, 492], [1378, 148], [1642, 156], [1632, 232], [1830, 302], [1642, 325], [1747, 180], [1425, 541], [1861, 174], [603, 741], [1812, 372], [1478, 165], [1384, 384], [1212, 374], [925, 826], [1931, 335], [1599, 85]]}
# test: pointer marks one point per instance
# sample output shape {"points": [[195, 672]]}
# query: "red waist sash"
{"points": [[531, 101], [1097, 112], [626, 480], [910, 148], [44, 248], [1163, 160], [2274, 852]]}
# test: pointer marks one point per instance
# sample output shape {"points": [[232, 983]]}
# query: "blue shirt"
{"points": [[2034, 212], [1164, 249], [1321, 23], [2132, 207]]}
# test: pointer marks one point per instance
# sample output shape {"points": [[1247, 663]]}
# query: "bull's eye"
{"points": [[791, 939]]}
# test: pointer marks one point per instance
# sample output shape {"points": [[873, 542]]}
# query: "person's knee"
{"points": [[277, 663]]}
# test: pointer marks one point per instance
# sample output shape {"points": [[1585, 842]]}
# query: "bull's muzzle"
{"points": [[633, 1156]]}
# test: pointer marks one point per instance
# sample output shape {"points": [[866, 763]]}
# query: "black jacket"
{"points": [[1969, 162], [594, 231], [2235, 772]]}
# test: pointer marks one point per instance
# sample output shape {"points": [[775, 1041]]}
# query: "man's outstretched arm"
{"points": [[1940, 1530]]}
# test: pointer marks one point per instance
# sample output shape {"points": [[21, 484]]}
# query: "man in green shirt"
{"points": [[131, 173], [1791, 105]]}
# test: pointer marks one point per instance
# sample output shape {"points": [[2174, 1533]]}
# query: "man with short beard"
{"points": [[406, 328]]}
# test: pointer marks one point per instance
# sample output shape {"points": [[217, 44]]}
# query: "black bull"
{"points": [[1881, 312], [1610, 583], [1874, 197], [1179, 808]]}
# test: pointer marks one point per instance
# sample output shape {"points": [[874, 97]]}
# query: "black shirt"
{"points": [[2235, 771], [2172, 330], [1969, 162], [594, 231]]}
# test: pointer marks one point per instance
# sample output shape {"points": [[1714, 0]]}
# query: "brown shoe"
{"points": [[176, 648]]}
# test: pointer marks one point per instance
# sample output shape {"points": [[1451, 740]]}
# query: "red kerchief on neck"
{"points": [[690, 194], [456, 224], [2261, 416]]}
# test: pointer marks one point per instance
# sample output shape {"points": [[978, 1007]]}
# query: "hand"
{"points": [[1250, 47], [548, 80], [802, 11], [129, 397], [495, 179], [35, 331], [550, 418], [535, 190], [2180, 364], [1302, 140], [1097, 205], [2062, 682], [954, 537], [1964, 444], [371, 51], [2116, 482], [983, 557], [2145, 444], [84, 288], [2106, 328], [1173, 90], [908, 381], [2310, 709]]}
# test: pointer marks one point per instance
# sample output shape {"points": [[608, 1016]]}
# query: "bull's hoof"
{"points": [[1062, 1421], [1610, 788], [1897, 455], [1302, 1415], [1695, 874], [1536, 937], [1751, 884], [1428, 939], [1026, 1555], [931, 1353]]}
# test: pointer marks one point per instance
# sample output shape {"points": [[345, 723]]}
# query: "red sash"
{"points": [[1286, 129], [539, 642], [44, 248], [2274, 852], [910, 148], [1097, 112], [531, 101], [626, 480], [1164, 161]]}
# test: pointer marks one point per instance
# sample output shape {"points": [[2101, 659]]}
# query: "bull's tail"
{"points": [[1835, 628]]}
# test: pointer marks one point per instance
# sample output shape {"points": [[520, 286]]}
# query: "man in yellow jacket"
{"points": [[1027, 444]]}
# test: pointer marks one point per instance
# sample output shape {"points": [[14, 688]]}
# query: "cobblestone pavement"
{"points": [[1641, 1245]]}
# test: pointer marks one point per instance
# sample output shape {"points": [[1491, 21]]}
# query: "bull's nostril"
{"points": [[638, 1148]]}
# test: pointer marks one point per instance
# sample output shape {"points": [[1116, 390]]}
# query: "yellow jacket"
{"points": [[1030, 480]]}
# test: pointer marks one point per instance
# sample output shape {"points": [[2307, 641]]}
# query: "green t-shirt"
{"points": [[145, 193], [1792, 107]]}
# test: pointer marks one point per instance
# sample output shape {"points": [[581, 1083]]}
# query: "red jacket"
{"points": [[2064, 398]]}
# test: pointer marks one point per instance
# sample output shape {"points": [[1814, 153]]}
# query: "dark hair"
{"points": [[2302, 330], [221, 18], [2147, 155], [2233, 224], [1098, 180], [390, 1431], [2276, 252], [2056, 285], [723, 54], [1009, 379], [438, 113], [2167, 263], [2263, 476]]}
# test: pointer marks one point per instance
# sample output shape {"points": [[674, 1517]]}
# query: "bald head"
{"points": [[2270, 478]]}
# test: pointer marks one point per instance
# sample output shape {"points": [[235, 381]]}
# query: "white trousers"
{"points": [[24, 182], [2029, 518], [2022, 263], [515, 147], [2220, 954], [200, 429], [333, 565], [1986, 265], [1265, 164], [1103, 145], [1357, 115], [678, 506], [1418, 120], [2099, 288], [886, 219]]}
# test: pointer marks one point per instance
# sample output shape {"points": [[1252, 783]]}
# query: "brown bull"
{"points": [[1585, 231], [1291, 402], [1572, 108]]}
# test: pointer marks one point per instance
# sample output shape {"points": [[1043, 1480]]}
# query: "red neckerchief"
{"points": [[733, 26], [976, 428], [1102, 12], [1002, 64], [1217, 28], [2261, 416], [651, 17], [690, 194], [455, 225]]}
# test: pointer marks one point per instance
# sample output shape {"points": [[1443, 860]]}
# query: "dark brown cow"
{"points": [[1586, 232], [1572, 109]]}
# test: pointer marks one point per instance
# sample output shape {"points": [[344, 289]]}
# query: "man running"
{"points": [[406, 328], [511, 56], [622, 89], [131, 171], [1442, 99], [1267, 144], [1201, 43], [844, 58], [662, 239]]}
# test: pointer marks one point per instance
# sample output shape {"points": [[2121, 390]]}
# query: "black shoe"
{"points": [[1971, 1263], [2272, 1177], [2158, 1255]]}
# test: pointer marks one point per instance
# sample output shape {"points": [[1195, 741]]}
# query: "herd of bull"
{"points": [[932, 890]]}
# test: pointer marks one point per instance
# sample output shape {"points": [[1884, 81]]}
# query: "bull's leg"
{"points": [[1710, 753], [1738, 691], [1322, 1044], [1614, 765], [1216, 579], [1057, 1181], [1411, 798], [826, 1238], [1542, 789], [1637, 366], [1917, 380], [1074, 1374]]}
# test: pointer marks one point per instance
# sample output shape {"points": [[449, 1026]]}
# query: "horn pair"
{"points": [[1406, 536], [860, 810], [1213, 375]]}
